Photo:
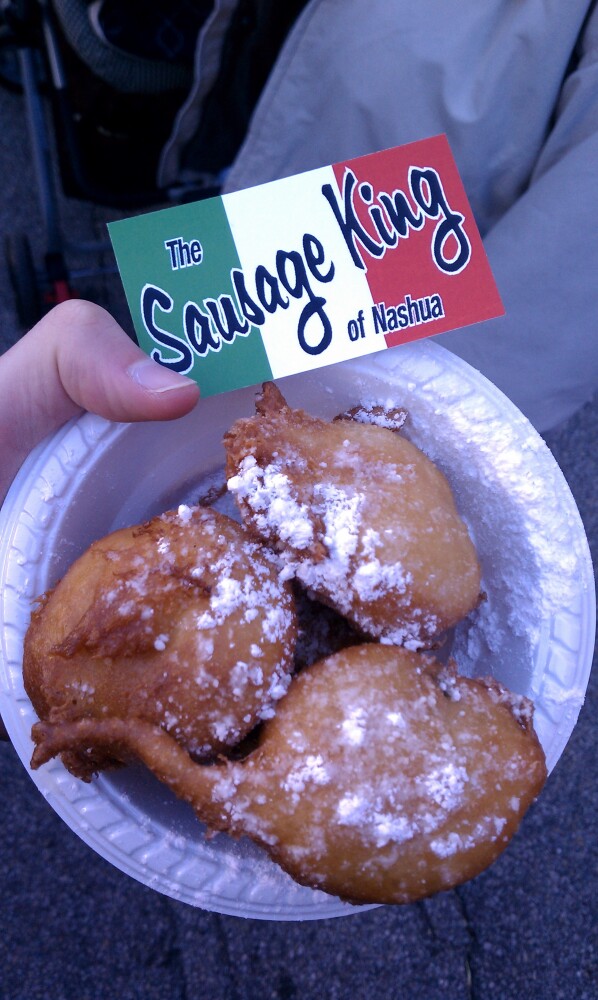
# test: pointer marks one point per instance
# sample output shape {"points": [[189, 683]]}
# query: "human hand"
{"points": [[78, 358]]}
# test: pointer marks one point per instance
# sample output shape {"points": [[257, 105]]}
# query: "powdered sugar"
{"points": [[354, 726], [184, 513], [249, 596], [341, 514], [445, 784], [243, 674], [310, 770], [268, 492], [383, 827], [452, 842], [373, 577], [351, 563]]}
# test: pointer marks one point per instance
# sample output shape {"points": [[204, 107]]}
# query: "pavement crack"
{"points": [[473, 944], [426, 919]]}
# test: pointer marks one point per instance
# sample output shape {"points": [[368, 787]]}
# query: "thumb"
{"points": [[99, 368], [78, 358]]}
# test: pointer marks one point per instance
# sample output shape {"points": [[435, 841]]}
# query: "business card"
{"points": [[309, 270]]}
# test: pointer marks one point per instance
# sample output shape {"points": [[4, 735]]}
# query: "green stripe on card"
{"points": [[179, 262]]}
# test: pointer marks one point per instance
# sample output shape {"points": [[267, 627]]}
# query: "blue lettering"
{"points": [[153, 298], [394, 217], [198, 330], [379, 317], [409, 312]]}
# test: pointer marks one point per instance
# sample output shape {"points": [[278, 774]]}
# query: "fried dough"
{"points": [[361, 517], [181, 622], [384, 777]]}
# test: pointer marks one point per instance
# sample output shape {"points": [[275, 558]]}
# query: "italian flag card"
{"points": [[309, 270]]}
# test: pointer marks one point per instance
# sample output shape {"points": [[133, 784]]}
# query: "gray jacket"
{"points": [[514, 85]]}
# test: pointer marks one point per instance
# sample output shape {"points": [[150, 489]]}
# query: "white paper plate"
{"points": [[535, 631]]}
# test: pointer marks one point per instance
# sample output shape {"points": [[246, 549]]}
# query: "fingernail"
{"points": [[156, 378]]}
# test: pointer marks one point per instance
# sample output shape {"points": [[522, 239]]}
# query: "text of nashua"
{"points": [[409, 312], [300, 274]]}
